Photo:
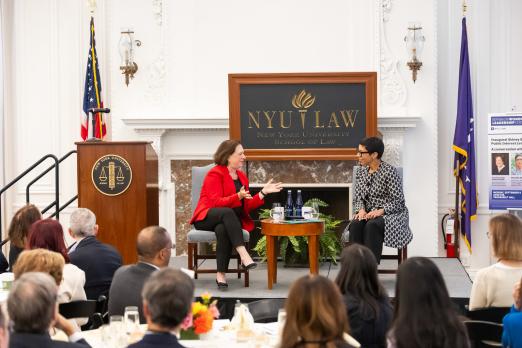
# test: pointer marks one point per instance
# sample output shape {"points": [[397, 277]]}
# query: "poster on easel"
{"points": [[505, 155]]}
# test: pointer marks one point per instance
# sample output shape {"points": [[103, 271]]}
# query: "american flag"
{"points": [[92, 95], [464, 143]]}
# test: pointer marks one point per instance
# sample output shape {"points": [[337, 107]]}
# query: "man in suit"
{"points": [[32, 309], [167, 300], [154, 248], [99, 261]]}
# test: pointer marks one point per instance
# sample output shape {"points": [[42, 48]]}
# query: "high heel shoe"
{"points": [[249, 266], [221, 285]]}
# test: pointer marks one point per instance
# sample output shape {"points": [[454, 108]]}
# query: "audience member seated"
{"points": [[167, 300], [32, 310], [424, 315], [512, 335], [154, 248], [493, 284], [99, 261], [4, 265], [315, 315], [367, 304], [40, 260], [48, 234], [19, 230], [4, 331]]}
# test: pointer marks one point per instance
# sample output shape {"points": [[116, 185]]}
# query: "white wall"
{"points": [[493, 31]]}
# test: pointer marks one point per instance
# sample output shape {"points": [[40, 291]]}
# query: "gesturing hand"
{"points": [[244, 193], [272, 187]]}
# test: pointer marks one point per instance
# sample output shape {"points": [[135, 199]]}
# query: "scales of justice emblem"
{"points": [[111, 175]]}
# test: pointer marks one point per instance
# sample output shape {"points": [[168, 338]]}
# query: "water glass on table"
{"points": [[132, 319], [277, 213]]}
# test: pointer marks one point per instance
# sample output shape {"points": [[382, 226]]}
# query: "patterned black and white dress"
{"points": [[383, 189]]}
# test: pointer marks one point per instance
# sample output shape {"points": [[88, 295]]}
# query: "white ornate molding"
{"points": [[157, 11], [175, 123], [157, 71], [392, 87], [393, 130]]}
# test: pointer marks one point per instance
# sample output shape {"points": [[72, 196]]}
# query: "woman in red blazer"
{"points": [[224, 206]]}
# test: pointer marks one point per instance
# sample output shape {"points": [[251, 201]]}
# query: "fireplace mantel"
{"points": [[160, 130]]}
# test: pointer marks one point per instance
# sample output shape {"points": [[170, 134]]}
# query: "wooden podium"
{"points": [[118, 181]]}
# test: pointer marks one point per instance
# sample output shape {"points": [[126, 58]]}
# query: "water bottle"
{"points": [[236, 307], [289, 206], [299, 204]]}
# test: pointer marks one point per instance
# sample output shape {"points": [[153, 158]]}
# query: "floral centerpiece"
{"points": [[199, 320]]}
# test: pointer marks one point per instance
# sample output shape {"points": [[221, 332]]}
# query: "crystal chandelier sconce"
{"points": [[414, 40]]}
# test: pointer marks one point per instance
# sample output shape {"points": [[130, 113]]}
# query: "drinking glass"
{"points": [[315, 210], [132, 319], [277, 212], [281, 318], [116, 323]]}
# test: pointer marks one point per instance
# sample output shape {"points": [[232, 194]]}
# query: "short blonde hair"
{"points": [[506, 236], [40, 260]]}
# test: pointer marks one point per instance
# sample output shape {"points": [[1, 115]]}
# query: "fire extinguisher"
{"points": [[448, 233]]}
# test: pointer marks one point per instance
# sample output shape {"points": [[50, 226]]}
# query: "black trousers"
{"points": [[229, 234], [369, 233]]}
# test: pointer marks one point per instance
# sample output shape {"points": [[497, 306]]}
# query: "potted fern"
{"points": [[294, 250]]}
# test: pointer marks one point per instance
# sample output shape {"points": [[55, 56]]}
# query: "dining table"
{"points": [[265, 335]]}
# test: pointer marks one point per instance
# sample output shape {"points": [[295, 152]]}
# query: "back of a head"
{"points": [[31, 303], [82, 222], [151, 240], [21, 223], [314, 313], [358, 276], [40, 260], [506, 236], [424, 314], [168, 294], [48, 234]]}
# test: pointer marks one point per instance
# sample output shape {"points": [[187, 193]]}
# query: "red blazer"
{"points": [[218, 190]]}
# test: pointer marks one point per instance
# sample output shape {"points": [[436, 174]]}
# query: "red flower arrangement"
{"points": [[203, 313]]}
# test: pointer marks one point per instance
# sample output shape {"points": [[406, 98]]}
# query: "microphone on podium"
{"points": [[97, 110]]}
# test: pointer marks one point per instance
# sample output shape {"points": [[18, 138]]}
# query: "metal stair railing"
{"points": [[56, 202]]}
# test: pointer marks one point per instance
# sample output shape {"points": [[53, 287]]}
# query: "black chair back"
{"points": [[492, 314], [84, 309], [266, 311], [78, 309], [484, 333]]}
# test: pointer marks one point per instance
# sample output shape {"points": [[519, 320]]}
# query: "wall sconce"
{"points": [[126, 47], [414, 44]]}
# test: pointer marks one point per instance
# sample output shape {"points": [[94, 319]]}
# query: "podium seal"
{"points": [[111, 175]]}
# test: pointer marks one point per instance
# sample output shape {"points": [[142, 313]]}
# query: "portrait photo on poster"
{"points": [[516, 163], [499, 163]]}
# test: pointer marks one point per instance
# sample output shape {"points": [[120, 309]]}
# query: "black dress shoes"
{"points": [[249, 266], [221, 285]]}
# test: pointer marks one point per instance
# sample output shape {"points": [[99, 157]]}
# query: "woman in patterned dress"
{"points": [[381, 215]]}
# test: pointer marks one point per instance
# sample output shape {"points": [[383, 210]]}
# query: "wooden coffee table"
{"points": [[272, 230]]}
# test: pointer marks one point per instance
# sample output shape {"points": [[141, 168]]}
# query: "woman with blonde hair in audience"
{"points": [[367, 304], [424, 315], [492, 285], [40, 260], [48, 234], [19, 230], [315, 316]]}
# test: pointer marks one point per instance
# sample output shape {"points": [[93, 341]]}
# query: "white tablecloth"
{"points": [[217, 338]]}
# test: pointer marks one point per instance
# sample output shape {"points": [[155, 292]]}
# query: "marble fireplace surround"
{"points": [[174, 162]]}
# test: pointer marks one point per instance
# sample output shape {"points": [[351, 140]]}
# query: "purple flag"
{"points": [[464, 143]]}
